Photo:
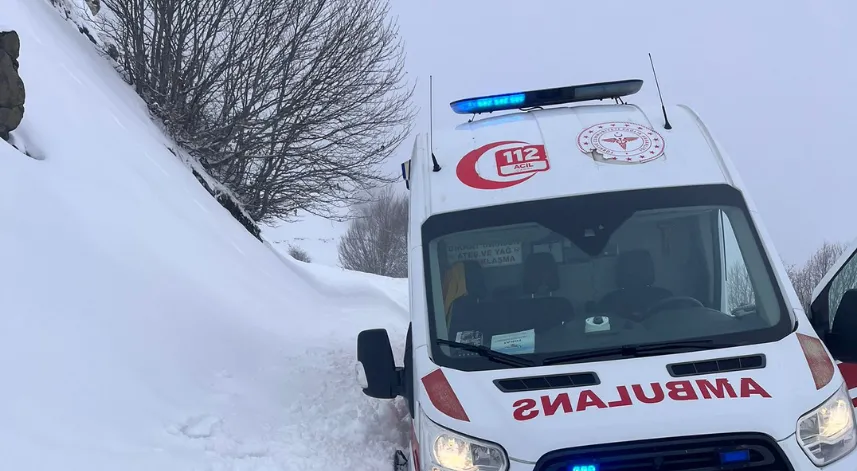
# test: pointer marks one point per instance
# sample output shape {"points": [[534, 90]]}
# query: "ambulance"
{"points": [[593, 289]]}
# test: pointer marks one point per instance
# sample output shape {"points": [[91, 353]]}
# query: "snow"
{"points": [[142, 327], [319, 237]]}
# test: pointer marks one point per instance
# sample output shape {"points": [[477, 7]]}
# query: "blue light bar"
{"points": [[547, 97], [732, 457], [489, 103], [583, 467]]}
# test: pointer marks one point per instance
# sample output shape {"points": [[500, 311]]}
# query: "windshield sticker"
{"points": [[654, 393], [621, 143], [470, 337], [488, 255], [502, 164], [515, 344]]}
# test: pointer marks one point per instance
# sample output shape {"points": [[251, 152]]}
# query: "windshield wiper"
{"points": [[486, 352], [641, 350]]}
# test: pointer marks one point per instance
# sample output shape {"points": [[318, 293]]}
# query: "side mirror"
{"points": [[376, 368], [841, 340]]}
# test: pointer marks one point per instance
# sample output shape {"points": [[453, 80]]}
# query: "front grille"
{"points": [[754, 452]]}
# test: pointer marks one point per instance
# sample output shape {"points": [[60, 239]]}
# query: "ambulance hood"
{"points": [[636, 399]]}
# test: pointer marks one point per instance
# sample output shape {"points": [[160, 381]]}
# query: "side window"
{"points": [[834, 310], [843, 281], [738, 290]]}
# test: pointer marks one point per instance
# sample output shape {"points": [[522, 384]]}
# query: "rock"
{"points": [[12, 91], [11, 44], [94, 6]]}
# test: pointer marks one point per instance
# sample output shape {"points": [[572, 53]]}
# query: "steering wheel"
{"points": [[672, 302]]}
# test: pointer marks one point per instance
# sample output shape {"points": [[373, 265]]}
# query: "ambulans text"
{"points": [[566, 403]]}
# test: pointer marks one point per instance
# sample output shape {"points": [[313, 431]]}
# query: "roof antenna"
{"points": [[667, 124], [435, 166]]}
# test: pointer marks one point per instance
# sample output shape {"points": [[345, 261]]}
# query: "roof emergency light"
{"points": [[547, 97]]}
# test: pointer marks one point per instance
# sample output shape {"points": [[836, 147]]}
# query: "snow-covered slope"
{"points": [[317, 236], [141, 327]]}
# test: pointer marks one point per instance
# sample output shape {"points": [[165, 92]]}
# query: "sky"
{"points": [[772, 79]]}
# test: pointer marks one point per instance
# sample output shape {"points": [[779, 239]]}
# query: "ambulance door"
{"points": [[834, 315]]}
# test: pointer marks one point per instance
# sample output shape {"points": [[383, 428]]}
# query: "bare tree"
{"points": [[292, 104], [377, 239], [739, 286], [299, 254], [805, 278], [845, 280]]}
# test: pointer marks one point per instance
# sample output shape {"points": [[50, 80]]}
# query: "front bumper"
{"points": [[801, 462], [789, 446]]}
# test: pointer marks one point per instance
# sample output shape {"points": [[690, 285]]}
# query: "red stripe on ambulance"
{"points": [[849, 373], [819, 362], [442, 396], [720, 388]]}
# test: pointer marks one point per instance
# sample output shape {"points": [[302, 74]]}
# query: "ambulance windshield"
{"points": [[557, 278]]}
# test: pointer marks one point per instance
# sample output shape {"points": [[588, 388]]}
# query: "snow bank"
{"points": [[319, 237], [356, 286], [142, 327]]}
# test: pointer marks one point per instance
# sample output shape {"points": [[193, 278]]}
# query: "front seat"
{"points": [[540, 275], [464, 293], [539, 308], [635, 276]]}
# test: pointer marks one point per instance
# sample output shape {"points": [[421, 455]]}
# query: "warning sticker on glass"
{"points": [[516, 343], [488, 255], [470, 337]]}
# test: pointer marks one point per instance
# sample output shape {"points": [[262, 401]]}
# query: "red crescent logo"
{"points": [[466, 169]]}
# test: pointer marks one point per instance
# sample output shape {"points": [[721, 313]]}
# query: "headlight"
{"points": [[827, 433], [444, 450]]}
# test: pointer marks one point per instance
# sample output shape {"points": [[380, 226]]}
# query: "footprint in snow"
{"points": [[202, 426]]}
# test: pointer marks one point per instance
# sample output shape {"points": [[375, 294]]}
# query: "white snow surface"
{"points": [[317, 236], [141, 327]]}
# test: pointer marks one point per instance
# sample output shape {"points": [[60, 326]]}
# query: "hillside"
{"points": [[143, 327]]}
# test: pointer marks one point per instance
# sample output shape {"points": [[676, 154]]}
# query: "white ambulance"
{"points": [[592, 289]]}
